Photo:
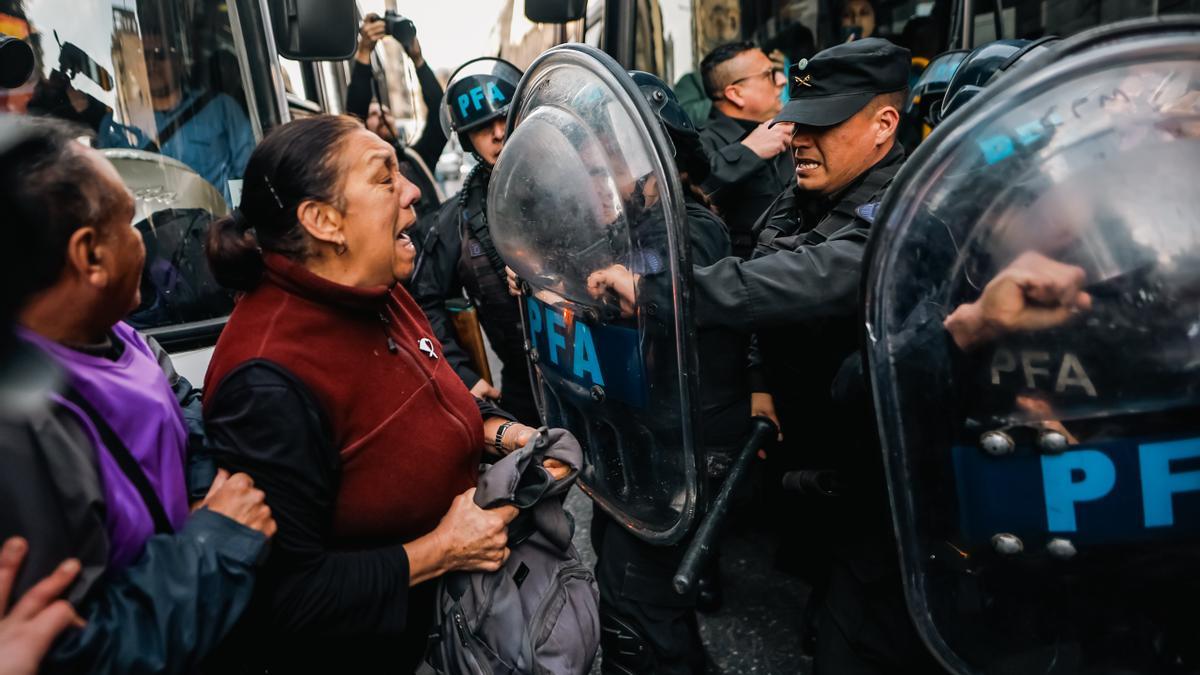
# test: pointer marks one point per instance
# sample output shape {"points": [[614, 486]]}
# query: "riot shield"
{"points": [[1033, 322], [586, 184]]}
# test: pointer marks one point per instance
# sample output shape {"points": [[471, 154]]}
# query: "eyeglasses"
{"points": [[776, 75]]}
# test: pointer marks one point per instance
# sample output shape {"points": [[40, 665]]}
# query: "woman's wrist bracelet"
{"points": [[498, 442]]}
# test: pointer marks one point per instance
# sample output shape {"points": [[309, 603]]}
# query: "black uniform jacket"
{"points": [[437, 278], [741, 183], [416, 160], [815, 268]]}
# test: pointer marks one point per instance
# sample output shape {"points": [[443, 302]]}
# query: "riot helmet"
{"points": [[479, 92], [685, 138], [930, 88], [983, 66], [1041, 464]]}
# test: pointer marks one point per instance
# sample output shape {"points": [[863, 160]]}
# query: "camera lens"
{"points": [[401, 28], [16, 61]]}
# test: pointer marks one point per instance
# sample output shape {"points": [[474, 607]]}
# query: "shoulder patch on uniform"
{"points": [[867, 211]]}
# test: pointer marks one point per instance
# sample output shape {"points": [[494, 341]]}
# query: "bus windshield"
{"points": [[158, 87]]}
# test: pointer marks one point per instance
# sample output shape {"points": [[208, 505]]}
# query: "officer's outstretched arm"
{"points": [[811, 282]]}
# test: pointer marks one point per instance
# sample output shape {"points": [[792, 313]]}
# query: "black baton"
{"points": [[762, 431]]}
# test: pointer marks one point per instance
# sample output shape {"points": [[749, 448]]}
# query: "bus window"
{"points": [[1031, 19], [671, 38], [159, 85]]}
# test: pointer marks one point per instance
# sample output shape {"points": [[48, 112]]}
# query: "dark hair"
{"points": [[896, 99], [48, 195], [294, 163], [715, 58]]}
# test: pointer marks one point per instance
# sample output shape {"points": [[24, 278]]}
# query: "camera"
{"points": [[16, 61], [401, 28]]}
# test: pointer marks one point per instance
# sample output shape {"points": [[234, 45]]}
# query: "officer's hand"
{"points": [[762, 404], [484, 390], [37, 618], [514, 284], [413, 50], [766, 142], [372, 31], [1033, 293], [617, 280]]}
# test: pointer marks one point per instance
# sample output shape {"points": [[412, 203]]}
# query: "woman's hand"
{"points": [[473, 539]]}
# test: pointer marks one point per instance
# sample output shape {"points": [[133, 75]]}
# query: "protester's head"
{"points": [[380, 121], [845, 105], [70, 215], [326, 193], [742, 82]]}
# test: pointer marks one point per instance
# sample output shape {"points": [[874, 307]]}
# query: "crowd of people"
{"points": [[291, 514]]}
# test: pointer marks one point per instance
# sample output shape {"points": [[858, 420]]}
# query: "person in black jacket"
{"points": [[456, 253], [417, 160], [155, 599], [748, 159]]}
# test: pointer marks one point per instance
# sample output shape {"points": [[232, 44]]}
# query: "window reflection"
{"points": [[159, 84]]}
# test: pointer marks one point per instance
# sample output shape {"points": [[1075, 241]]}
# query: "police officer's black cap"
{"points": [[838, 82]]}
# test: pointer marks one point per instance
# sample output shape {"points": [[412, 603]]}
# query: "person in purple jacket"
{"points": [[104, 471]]}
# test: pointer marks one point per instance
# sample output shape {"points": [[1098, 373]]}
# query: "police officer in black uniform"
{"points": [[455, 248], [800, 296]]}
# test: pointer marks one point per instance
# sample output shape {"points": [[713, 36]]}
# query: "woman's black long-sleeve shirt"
{"points": [[266, 423]]}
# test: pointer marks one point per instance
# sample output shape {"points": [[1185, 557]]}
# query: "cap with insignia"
{"points": [[836, 83]]}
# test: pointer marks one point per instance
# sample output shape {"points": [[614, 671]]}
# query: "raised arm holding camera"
{"points": [[416, 159]]}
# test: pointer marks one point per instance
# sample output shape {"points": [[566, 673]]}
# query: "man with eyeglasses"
{"points": [[748, 158]]}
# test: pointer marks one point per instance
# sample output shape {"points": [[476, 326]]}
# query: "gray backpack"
{"points": [[539, 613]]}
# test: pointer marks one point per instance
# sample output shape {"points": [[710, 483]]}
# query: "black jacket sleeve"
{"points": [[811, 282], [263, 421], [168, 610], [490, 409], [436, 281], [429, 146], [360, 90]]}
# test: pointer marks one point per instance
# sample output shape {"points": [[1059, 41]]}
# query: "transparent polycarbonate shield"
{"points": [[1033, 312], [588, 210]]}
